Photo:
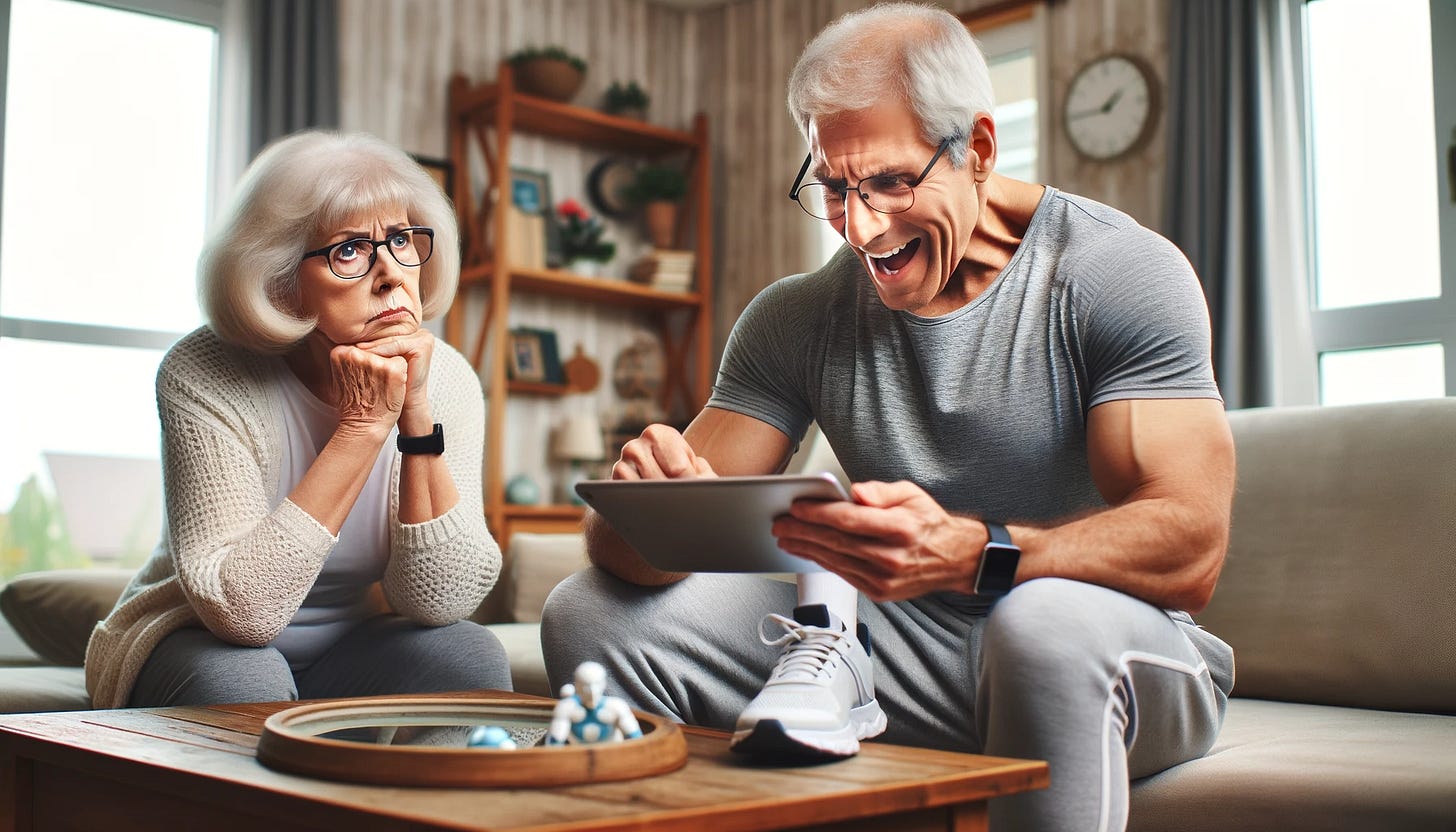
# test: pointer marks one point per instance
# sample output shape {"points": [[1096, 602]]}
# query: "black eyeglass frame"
{"points": [[327, 251], [799, 183]]}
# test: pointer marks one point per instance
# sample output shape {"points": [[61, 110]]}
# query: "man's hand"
{"points": [[660, 453], [893, 542]]}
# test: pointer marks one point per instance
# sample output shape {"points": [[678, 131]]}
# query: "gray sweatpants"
{"points": [[1101, 685], [387, 654]]}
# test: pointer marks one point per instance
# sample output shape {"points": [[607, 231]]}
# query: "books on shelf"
{"points": [[525, 239], [667, 269]]}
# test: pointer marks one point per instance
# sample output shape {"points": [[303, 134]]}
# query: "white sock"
{"points": [[833, 592]]}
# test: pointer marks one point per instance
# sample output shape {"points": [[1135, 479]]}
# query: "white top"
{"points": [[341, 596]]}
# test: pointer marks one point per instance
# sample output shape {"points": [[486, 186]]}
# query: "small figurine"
{"points": [[490, 736], [586, 714]]}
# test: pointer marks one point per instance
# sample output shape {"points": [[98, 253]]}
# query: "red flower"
{"points": [[572, 209]]}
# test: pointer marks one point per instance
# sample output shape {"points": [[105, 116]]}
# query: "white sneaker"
{"points": [[820, 699]]}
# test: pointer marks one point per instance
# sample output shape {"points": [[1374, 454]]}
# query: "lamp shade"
{"points": [[579, 439]]}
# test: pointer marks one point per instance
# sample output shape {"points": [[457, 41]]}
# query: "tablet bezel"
{"points": [[708, 524]]}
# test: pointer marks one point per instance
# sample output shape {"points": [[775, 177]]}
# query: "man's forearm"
{"points": [[1164, 552], [607, 550]]}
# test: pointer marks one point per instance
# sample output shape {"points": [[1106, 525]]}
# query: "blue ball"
{"points": [[490, 736]]}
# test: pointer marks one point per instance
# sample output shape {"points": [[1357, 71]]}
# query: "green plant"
{"points": [[656, 183], [626, 96], [581, 234], [33, 536], [555, 53]]}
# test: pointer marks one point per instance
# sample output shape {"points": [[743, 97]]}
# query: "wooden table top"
{"points": [[208, 754]]}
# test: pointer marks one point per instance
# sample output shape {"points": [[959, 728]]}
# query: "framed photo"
{"points": [[531, 191], [527, 362], [531, 194], [535, 356], [440, 170]]}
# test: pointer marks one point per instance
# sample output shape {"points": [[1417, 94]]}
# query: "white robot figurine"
{"points": [[586, 714]]}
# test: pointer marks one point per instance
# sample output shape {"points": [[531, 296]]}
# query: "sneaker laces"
{"points": [[810, 649]]}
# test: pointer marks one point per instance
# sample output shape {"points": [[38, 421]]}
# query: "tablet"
{"points": [[709, 524]]}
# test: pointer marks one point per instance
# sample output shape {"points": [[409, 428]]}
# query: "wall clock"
{"points": [[1110, 107]]}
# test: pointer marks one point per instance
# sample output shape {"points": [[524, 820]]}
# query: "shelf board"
{"points": [[559, 511], [537, 388], [572, 285], [544, 117]]}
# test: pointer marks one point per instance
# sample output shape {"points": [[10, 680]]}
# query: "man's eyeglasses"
{"points": [[354, 258], [888, 193]]}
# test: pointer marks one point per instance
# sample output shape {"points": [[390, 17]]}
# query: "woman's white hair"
{"points": [[299, 189], [919, 54]]}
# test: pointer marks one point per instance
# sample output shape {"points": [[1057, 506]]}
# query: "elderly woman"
{"points": [[321, 452]]}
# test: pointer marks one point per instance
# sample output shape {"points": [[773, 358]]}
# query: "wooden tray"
{"points": [[292, 741]]}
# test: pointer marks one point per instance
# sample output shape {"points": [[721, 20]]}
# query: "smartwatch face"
{"points": [[998, 569]]}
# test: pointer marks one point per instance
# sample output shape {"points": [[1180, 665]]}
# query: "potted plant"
{"points": [[550, 72], [581, 238], [627, 99], [658, 189]]}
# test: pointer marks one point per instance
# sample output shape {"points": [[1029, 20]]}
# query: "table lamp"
{"points": [[577, 441]]}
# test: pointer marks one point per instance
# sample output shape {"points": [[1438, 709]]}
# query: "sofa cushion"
{"points": [[535, 564], [522, 642], [1287, 767], [54, 611], [1337, 587], [25, 690]]}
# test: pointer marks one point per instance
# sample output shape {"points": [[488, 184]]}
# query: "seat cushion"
{"points": [[54, 611], [1287, 767], [523, 648], [25, 690]]}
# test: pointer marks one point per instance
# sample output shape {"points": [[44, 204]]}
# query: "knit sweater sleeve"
{"points": [[244, 565], [440, 570]]}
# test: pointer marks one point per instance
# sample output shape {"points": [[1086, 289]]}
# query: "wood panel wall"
{"points": [[732, 62]]}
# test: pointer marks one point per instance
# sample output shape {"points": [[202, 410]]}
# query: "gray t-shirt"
{"points": [[986, 407]]}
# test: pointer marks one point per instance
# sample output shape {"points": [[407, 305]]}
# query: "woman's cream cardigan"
{"points": [[239, 560]]}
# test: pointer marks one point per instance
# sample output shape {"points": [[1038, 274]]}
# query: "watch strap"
{"points": [[431, 443], [998, 533]]}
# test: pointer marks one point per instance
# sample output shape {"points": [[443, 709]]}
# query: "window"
{"points": [[1382, 218], [111, 155]]}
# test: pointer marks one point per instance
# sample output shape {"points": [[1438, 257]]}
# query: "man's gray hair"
{"points": [[921, 55], [298, 190]]}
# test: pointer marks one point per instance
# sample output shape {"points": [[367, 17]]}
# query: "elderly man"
{"points": [[1018, 382]]}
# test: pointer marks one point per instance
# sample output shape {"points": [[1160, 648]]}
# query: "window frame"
{"points": [[1404, 322]]}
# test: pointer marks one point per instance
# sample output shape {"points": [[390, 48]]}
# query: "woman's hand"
{"points": [[372, 388], [416, 348]]}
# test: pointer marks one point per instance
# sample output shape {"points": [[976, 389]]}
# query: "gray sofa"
{"points": [[1337, 597]]}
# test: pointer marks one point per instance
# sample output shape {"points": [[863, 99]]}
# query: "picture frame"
{"points": [[527, 361], [535, 356], [531, 195], [440, 170]]}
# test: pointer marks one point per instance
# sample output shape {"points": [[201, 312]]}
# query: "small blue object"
{"points": [[522, 491], [490, 736]]}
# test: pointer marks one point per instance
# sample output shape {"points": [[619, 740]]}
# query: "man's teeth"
{"points": [[890, 253]]}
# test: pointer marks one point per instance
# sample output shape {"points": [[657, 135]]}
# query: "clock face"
{"points": [[1109, 107]]}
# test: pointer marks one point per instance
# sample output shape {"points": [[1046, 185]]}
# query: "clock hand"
{"points": [[1111, 102]]}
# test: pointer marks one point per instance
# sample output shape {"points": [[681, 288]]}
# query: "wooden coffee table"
{"points": [[195, 768]]}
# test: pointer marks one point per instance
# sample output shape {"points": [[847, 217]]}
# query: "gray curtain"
{"points": [[1236, 185], [295, 68]]}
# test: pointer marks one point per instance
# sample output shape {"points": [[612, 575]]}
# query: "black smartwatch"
{"points": [[998, 562], [433, 443]]}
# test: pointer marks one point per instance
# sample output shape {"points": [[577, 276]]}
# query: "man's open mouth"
{"points": [[891, 262]]}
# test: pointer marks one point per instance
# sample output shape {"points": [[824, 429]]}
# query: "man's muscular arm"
{"points": [[1164, 466]]}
